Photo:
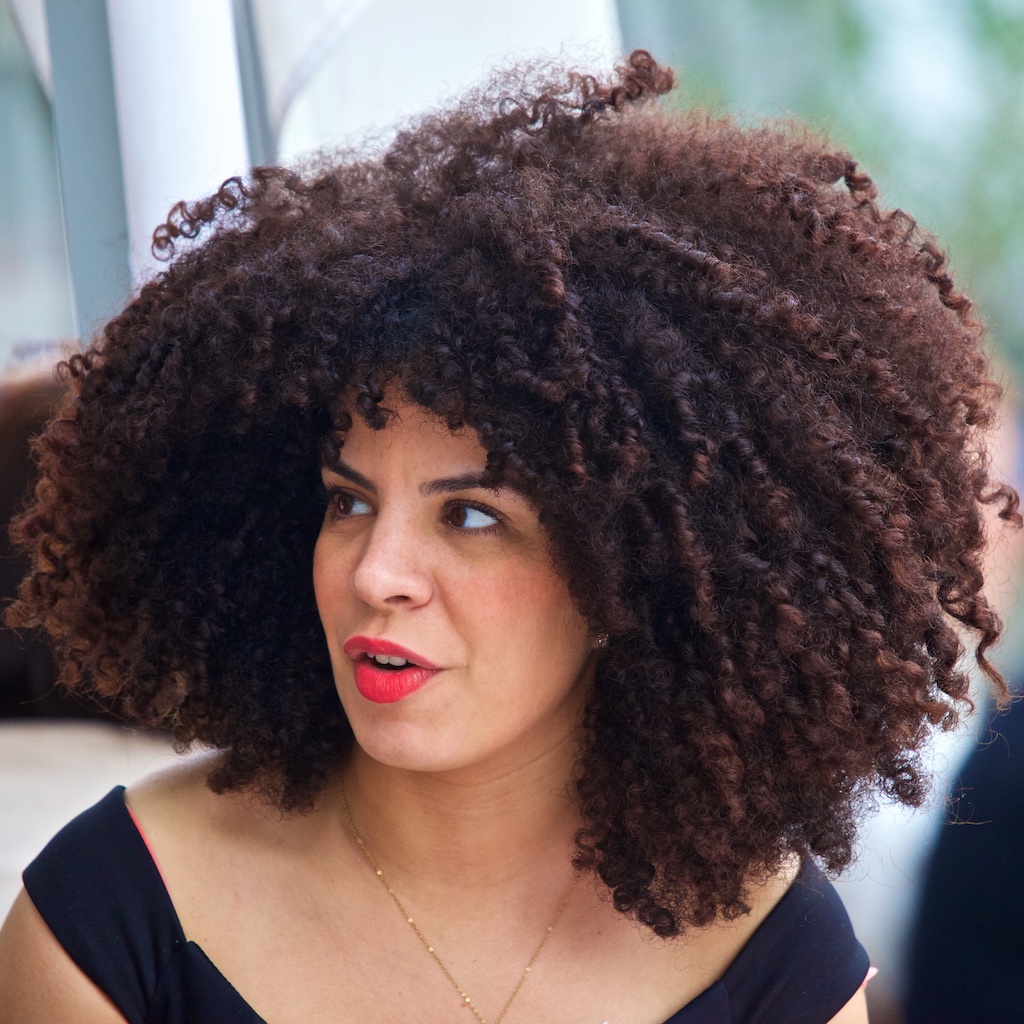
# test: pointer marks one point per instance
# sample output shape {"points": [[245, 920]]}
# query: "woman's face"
{"points": [[453, 641]]}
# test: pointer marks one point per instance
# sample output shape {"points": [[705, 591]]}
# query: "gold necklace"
{"points": [[430, 949]]}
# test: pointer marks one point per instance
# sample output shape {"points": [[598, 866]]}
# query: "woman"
{"points": [[636, 457]]}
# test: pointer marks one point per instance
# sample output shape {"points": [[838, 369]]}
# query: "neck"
{"points": [[493, 834]]}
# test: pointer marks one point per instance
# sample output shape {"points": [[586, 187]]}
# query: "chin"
{"points": [[409, 755], [404, 745]]}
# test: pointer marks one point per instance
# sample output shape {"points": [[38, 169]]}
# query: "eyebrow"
{"points": [[442, 485]]}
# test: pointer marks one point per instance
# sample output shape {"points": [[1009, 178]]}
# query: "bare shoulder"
{"points": [[176, 806], [186, 825], [215, 851], [186, 775], [181, 785], [39, 982]]}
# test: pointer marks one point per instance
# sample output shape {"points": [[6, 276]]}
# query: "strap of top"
{"points": [[99, 892], [804, 963]]}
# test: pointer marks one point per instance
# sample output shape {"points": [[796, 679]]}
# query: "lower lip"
{"points": [[387, 686]]}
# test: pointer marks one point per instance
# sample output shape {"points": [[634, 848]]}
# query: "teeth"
{"points": [[389, 659]]}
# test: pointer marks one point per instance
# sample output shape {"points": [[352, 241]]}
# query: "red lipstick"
{"points": [[381, 683]]}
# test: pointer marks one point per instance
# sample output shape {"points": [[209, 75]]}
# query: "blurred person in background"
{"points": [[28, 672], [558, 526], [967, 943]]}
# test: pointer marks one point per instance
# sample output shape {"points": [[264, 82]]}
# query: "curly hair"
{"points": [[747, 401]]}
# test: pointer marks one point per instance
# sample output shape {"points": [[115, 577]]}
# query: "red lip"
{"points": [[356, 646], [384, 685]]}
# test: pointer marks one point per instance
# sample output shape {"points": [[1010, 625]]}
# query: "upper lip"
{"points": [[357, 646]]}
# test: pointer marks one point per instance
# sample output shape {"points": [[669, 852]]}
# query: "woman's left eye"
{"points": [[468, 517]]}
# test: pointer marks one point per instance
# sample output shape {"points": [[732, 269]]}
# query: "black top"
{"points": [[100, 892]]}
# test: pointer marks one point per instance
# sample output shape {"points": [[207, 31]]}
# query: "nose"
{"points": [[392, 569]]}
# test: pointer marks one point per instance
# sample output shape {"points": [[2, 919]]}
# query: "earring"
{"points": [[601, 641]]}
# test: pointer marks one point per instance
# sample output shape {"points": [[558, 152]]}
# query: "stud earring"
{"points": [[601, 641]]}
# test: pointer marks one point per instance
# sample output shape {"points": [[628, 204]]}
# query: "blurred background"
{"points": [[112, 110]]}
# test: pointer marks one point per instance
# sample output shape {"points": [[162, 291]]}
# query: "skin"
{"points": [[461, 791], [462, 577]]}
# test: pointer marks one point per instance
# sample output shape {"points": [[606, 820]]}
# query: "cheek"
{"points": [[330, 576], [531, 611]]}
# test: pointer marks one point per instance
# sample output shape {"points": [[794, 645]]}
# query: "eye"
{"points": [[470, 517], [344, 504]]}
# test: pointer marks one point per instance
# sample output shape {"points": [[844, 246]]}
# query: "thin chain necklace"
{"points": [[430, 949]]}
